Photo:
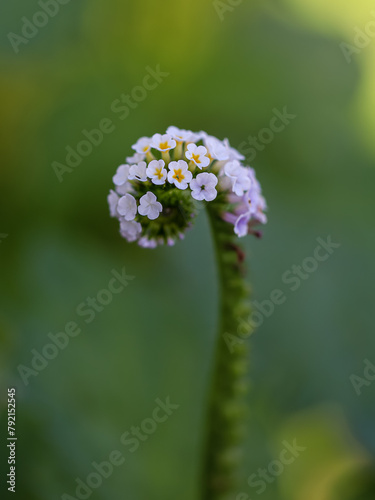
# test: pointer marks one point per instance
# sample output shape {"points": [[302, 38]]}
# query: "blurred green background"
{"points": [[227, 72]]}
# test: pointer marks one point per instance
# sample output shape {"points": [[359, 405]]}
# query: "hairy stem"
{"points": [[226, 411]]}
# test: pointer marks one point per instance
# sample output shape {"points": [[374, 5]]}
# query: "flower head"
{"points": [[155, 191], [179, 174]]}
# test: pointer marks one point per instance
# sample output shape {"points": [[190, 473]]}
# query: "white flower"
{"points": [[239, 175], [138, 171], [156, 172], [203, 187], [136, 158], [130, 230], [197, 154], [143, 145], [163, 142], [150, 206], [179, 174], [217, 149], [112, 202], [125, 188], [120, 180], [121, 176], [127, 207], [182, 135]]}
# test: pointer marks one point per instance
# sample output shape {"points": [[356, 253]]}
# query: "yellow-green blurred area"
{"points": [[155, 338]]}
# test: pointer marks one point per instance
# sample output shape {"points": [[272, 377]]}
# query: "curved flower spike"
{"points": [[155, 199]]}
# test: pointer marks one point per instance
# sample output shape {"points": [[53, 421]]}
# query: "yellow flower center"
{"points": [[164, 145], [145, 149], [178, 175], [195, 158], [158, 173]]}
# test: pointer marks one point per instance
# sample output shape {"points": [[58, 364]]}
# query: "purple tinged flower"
{"points": [[127, 207], [203, 187], [112, 202], [239, 175], [130, 230], [149, 206]]}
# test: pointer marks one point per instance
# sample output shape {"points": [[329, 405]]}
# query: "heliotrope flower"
{"points": [[155, 193], [138, 172], [203, 187], [149, 206], [239, 175], [197, 154], [142, 146], [156, 172], [163, 142], [179, 174], [130, 230], [127, 207]]}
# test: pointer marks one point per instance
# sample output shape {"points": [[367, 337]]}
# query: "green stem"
{"points": [[225, 419]]}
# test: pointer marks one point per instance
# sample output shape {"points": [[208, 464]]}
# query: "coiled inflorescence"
{"points": [[156, 191]]}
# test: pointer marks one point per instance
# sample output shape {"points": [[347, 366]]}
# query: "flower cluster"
{"points": [[155, 191]]}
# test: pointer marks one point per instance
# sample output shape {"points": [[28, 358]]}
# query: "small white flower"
{"points": [[197, 154], [143, 145], [136, 158], [130, 230], [239, 175], [138, 172], [149, 206], [163, 143], [203, 187], [121, 176], [112, 202], [217, 149], [125, 188], [182, 135], [179, 174], [127, 207], [156, 172]]}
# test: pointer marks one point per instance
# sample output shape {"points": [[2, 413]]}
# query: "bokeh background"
{"points": [[155, 339]]}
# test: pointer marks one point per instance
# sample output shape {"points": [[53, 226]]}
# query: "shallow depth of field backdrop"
{"points": [[58, 245]]}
